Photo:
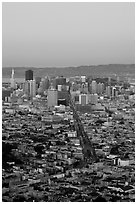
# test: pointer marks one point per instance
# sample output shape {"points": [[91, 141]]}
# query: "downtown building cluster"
{"points": [[42, 152]]}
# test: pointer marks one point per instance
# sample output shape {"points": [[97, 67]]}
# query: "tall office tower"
{"points": [[32, 88], [103, 87], [41, 87], [44, 84], [83, 99], [109, 81], [26, 88], [108, 91], [52, 97], [12, 80], [99, 88], [29, 75], [94, 87]]}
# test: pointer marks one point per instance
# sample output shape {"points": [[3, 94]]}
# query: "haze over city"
{"points": [[67, 34], [68, 102]]}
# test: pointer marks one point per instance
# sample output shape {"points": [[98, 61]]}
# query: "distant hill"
{"points": [[100, 70]]}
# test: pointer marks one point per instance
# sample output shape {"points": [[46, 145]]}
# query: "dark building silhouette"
{"points": [[29, 75]]}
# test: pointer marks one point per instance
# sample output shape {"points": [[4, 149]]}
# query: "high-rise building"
{"points": [[103, 87], [29, 75], [12, 80], [100, 88], [44, 84], [52, 97], [109, 81], [94, 87], [108, 91], [30, 88], [26, 88], [32, 84]]}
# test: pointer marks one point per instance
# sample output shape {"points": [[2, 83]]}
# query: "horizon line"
{"points": [[43, 67]]}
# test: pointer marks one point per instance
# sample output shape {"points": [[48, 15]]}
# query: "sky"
{"points": [[67, 34]]}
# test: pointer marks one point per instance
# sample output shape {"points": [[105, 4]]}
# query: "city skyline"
{"points": [[94, 33], [68, 102]]}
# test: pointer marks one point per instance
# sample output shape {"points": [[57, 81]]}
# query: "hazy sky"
{"points": [[67, 34]]}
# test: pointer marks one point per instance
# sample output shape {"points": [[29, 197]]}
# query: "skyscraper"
{"points": [[32, 84], [30, 88], [52, 97], [45, 83], [12, 80], [100, 88], [26, 88], [108, 91], [29, 75], [94, 87]]}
